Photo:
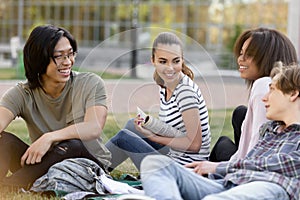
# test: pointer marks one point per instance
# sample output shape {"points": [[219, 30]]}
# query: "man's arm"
{"points": [[6, 116], [90, 128], [287, 164]]}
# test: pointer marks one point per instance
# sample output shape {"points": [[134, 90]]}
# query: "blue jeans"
{"points": [[175, 182], [129, 143]]}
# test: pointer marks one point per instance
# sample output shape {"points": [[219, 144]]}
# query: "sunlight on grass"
{"points": [[220, 123], [11, 73], [7, 194], [8, 73]]}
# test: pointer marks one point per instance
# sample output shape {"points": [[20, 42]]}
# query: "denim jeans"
{"points": [[173, 181], [129, 143]]}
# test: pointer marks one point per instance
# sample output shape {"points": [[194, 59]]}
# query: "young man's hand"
{"points": [[203, 167], [36, 151]]}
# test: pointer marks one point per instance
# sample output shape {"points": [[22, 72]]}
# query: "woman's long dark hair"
{"points": [[267, 46]]}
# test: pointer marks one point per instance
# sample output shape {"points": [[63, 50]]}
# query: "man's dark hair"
{"points": [[39, 49]]}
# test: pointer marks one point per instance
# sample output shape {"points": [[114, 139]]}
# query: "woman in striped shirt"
{"points": [[181, 106]]}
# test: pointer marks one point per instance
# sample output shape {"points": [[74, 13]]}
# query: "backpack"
{"points": [[80, 175]]}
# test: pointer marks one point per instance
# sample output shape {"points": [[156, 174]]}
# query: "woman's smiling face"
{"points": [[247, 67], [168, 62]]}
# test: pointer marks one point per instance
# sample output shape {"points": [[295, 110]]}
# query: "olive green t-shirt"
{"points": [[43, 113]]}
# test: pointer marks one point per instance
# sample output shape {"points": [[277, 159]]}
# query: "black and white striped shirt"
{"points": [[186, 95]]}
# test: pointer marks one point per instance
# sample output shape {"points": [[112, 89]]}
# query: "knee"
{"points": [[130, 125], [239, 112], [123, 135], [73, 145], [155, 165], [119, 136], [154, 162], [224, 140], [7, 136], [6, 139]]}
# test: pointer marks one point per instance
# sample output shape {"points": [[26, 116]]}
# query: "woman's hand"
{"points": [[36, 150], [138, 121], [203, 167]]}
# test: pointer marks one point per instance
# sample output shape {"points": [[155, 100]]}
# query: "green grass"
{"points": [[8, 73], [12, 73], [220, 123]]}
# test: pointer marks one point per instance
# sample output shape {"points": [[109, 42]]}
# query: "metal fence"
{"points": [[214, 24]]}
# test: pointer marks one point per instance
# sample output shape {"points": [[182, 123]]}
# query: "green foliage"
{"points": [[227, 59], [237, 32]]}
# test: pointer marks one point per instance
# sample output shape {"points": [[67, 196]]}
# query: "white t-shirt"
{"points": [[255, 117]]}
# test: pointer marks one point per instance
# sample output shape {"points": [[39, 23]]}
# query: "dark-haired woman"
{"points": [[256, 50]]}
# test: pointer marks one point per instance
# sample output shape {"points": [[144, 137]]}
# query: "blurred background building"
{"points": [[129, 24]]}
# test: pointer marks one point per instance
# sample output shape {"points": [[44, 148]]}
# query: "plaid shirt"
{"points": [[275, 158]]}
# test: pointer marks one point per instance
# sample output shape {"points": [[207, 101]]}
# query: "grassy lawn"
{"points": [[12, 73], [8, 73], [220, 123]]}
